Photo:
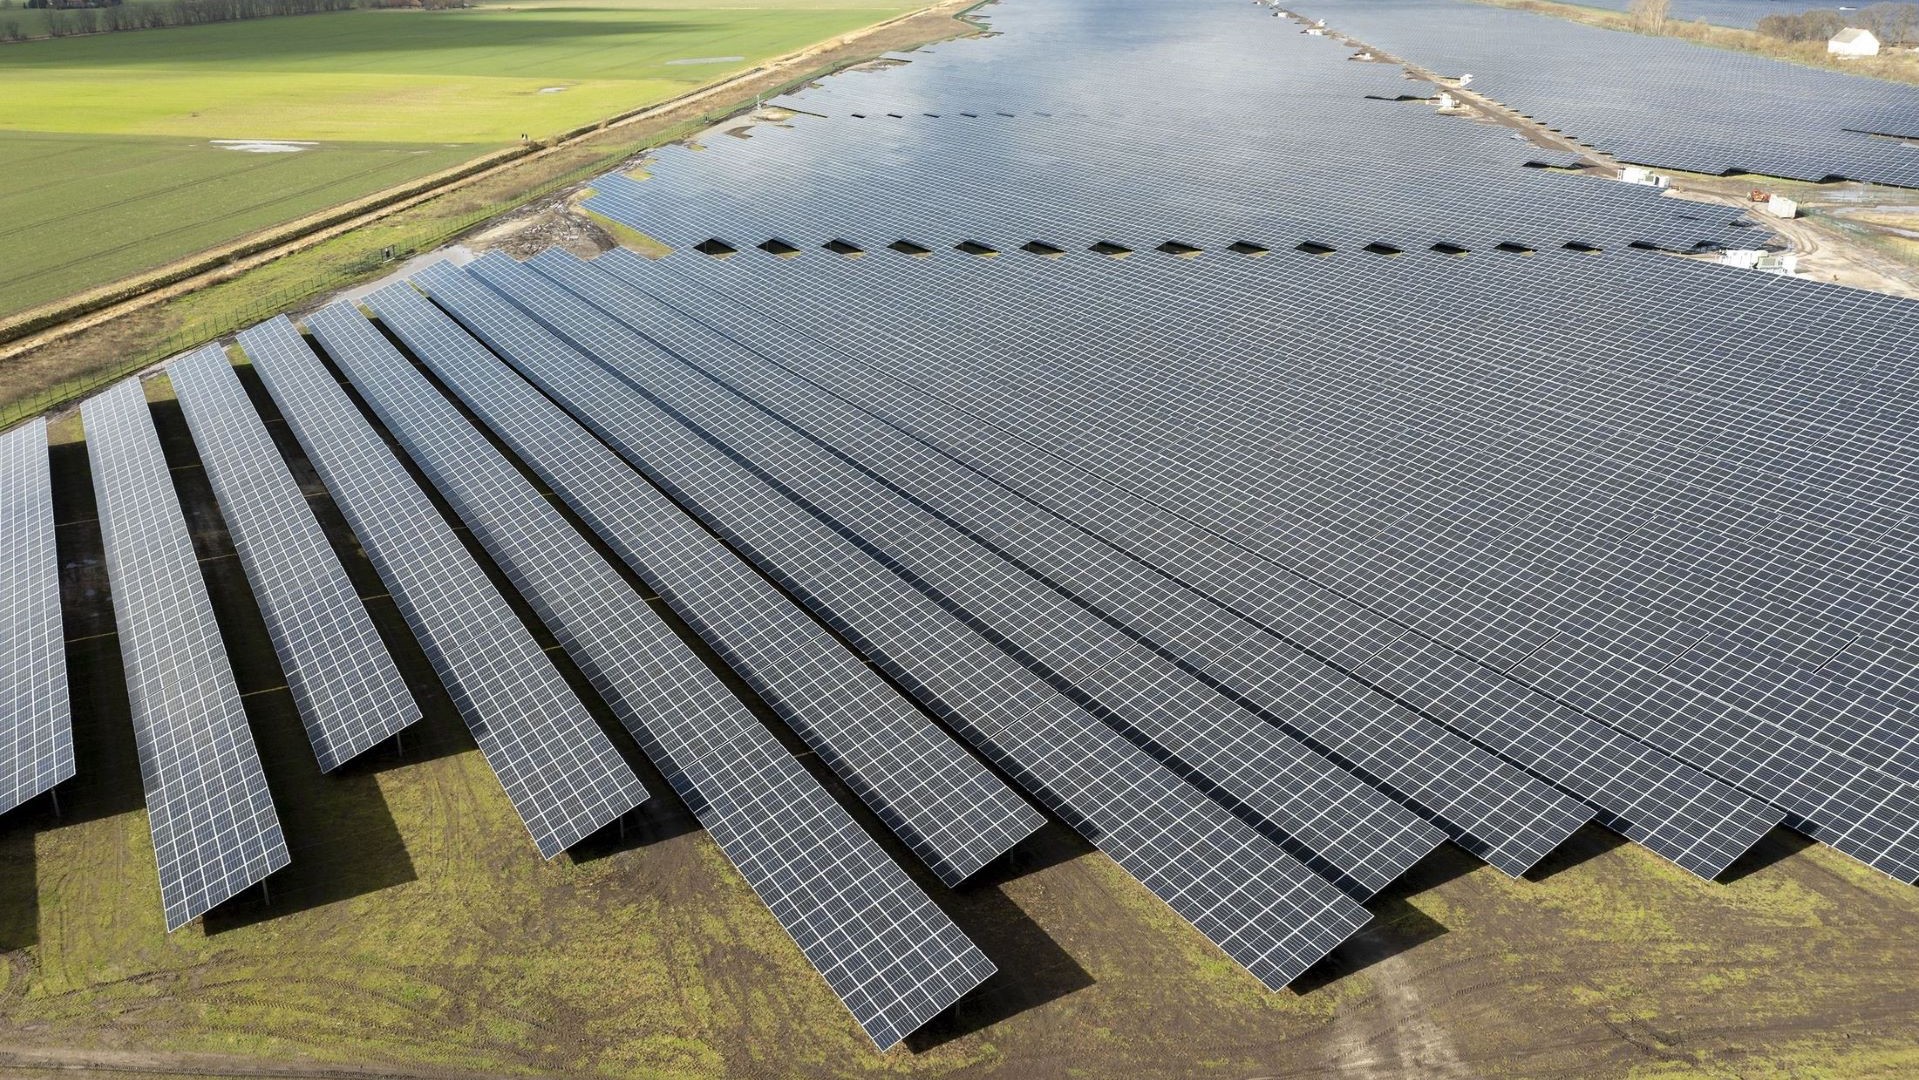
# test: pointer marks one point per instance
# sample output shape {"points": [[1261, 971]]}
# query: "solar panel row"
{"points": [[560, 771], [890, 954], [994, 142], [1670, 808], [1362, 839], [1262, 907], [350, 695], [953, 813], [36, 727], [214, 829], [1486, 806], [1219, 437], [1655, 100]]}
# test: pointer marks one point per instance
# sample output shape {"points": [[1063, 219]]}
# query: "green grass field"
{"points": [[108, 164], [93, 208]]}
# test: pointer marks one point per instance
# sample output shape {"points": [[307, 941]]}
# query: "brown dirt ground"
{"points": [[558, 226]]}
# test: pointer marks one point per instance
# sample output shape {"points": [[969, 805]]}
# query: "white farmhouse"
{"points": [[1853, 41]]}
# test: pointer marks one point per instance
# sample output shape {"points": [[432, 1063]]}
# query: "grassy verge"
{"points": [[1875, 232]]}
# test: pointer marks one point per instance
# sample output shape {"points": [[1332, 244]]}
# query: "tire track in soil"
{"points": [[1398, 1037]]}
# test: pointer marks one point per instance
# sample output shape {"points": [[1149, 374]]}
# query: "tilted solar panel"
{"points": [[561, 772], [350, 695], [1212, 434], [949, 808], [36, 727], [1351, 832], [214, 829], [1265, 909], [884, 947], [1674, 810]]}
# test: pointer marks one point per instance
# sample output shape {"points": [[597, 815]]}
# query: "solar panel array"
{"points": [[1637, 791], [1363, 839], [952, 811], [349, 693], [1764, 661], [995, 143], [1261, 906], [36, 728], [1461, 790], [1672, 809], [890, 954], [1265, 575], [559, 769], [214, 829], [1699, 824], [1654, 100]]}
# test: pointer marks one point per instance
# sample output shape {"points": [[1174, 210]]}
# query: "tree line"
{"points": [[1892, 24], [65, 18]]}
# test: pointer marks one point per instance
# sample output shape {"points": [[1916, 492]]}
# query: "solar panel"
{"points": [[952, 811], [36, 728], [1487, 806], [1671, 808], [991, 185], [884, 947], [559, 769], [214, 829], [350, 695], [1653, 99], [1263, 908], [1514, 819], [995, 141], [1242, 460], [1354, 834]]}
